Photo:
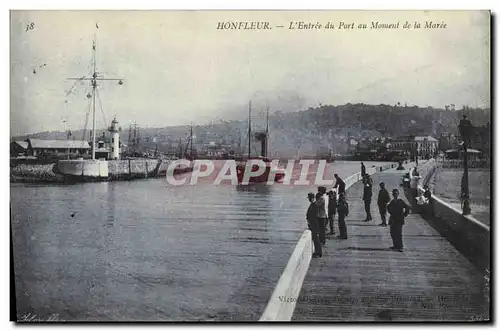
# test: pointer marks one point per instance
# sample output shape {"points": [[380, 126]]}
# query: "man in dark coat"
{"points": [[339, 184], [313, 224], [332, 209], [322, 190], [322, 216], [398, 209], [430, 203], [367, 198], [343, 211], [382, 201]]}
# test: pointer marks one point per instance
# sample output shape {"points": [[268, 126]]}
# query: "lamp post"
{"points": [[465, 128], [415, 153]]}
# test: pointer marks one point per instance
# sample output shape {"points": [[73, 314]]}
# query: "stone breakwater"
{"points": [[117, 169], [35, 173]]}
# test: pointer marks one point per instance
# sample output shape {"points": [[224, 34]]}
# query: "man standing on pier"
{"points": [[430, 203], [382, 201], [363, 169], [332, 210], [367, 197], [398, 209], [322, 218], [324, 194], [339, 184], [312, 222], [343, 210]]}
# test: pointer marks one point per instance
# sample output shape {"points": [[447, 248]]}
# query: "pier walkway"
{"points": [[360, 279]]}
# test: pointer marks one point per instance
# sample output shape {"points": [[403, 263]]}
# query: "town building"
{"points": [[423, 146]]}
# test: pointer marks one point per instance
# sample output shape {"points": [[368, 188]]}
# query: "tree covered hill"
{"points": [[306, 131]]}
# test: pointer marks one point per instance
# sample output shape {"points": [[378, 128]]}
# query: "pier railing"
{"points": [[284, 298]]}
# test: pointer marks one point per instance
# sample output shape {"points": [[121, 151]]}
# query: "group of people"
{"points": [[324, 206], [321, 212]]}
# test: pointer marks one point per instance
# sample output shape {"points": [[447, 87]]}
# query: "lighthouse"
{"points": [[114, 130]]}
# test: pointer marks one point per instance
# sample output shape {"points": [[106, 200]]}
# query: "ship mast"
{"points": [[191, 138], [267, 129], [249, 125], [94, 86], [93, 82]]}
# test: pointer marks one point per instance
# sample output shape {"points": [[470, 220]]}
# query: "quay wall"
{"points": [[128, 169], [83, 168], [111, 170], [282, 302]]}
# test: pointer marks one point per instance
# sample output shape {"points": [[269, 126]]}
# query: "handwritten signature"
{"points": [[30, 317]]}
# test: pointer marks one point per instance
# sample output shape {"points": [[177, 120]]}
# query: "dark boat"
{"points": [[263, 178], [242, 165]]}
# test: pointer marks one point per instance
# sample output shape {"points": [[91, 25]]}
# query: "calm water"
{"points": [[141, 250], [448, 188]]}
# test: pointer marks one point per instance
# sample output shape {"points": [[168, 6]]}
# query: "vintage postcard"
{"points": [[250, 165]]}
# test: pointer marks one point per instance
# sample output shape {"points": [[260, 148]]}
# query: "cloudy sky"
{"points": [[179, 68]]}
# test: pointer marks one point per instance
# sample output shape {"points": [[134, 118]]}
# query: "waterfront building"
{"points": [[423, 146], [39, 147], [18, 148]]}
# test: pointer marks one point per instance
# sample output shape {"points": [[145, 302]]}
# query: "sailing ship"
{"points": [[263, 138], [95, 167]]}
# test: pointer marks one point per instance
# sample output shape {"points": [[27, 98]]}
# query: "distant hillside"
{"points": [[306, 131]]}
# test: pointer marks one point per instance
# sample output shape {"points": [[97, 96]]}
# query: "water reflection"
{"points": [[111, 204], [257, 188]]}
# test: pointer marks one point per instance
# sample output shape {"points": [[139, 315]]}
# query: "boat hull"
{"points": [[263, 178]]}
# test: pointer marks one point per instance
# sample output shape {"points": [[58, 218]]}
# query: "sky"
{"points": [[178, 68]]}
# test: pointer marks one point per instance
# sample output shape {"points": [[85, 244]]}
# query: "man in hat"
{"points": [[343, 211], [332, 210], [398, 209], [311, 211], [322, 216], [322, 190], [382, 201], [367, 197], [312, 222], [430, 203], [339, 184]]}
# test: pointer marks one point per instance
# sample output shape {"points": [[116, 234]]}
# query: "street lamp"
{"points": [[465, 129]]}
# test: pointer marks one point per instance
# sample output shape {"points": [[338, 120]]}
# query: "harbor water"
{"points": [[147, 251]]}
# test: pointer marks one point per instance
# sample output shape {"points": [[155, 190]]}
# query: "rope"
{"points": [[86, 120], [100, 104]]}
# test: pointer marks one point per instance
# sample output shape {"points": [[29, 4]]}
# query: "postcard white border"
{"points": [[190, 4]]}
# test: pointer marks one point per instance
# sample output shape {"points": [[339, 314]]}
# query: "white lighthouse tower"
{"points": [[114, 151]]}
